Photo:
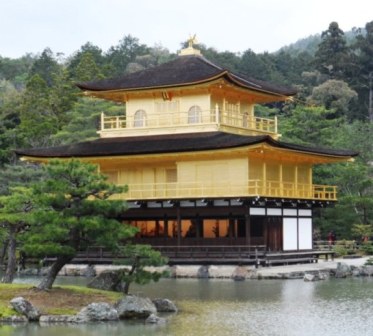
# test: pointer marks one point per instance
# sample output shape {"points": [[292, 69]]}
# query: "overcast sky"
{"points": [[234, 25]]}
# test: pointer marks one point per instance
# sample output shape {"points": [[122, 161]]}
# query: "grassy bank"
{"points": [[59, 300]]}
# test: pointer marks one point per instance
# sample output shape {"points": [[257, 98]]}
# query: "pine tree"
{"points": [[332, 56], [14, 218], [74, 211]]}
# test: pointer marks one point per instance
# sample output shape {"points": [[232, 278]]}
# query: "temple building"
{"points": [[202, 170]]}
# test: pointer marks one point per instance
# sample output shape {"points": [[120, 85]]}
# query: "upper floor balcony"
{"points": [[229, 189], [194, 120]]}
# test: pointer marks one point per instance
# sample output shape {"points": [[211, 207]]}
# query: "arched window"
{"points": [[139, 119], [194, 115]]}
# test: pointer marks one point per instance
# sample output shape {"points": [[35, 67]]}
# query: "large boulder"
{"points": [[97, 311], [132, 306], [164, 306], [24, 307], [107, 280]]}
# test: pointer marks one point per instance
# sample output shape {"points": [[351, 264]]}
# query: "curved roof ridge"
{"points": [[171, 143], [182, 71]]}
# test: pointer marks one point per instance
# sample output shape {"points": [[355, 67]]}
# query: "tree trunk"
{"points": [[12, 259], [4, 249], [133, 269], [49, 279]]}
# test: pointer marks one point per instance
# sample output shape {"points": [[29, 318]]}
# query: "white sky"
{"points": [[234, 25]]}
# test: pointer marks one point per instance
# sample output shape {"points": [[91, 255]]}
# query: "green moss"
{"points": [[91, 291], [61, 300], [6, 311], [62, 311]]}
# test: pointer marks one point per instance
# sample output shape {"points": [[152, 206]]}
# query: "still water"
{"points": [[224, 307]]}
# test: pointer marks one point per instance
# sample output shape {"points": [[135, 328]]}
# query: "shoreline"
{"points": [[235, 272]]}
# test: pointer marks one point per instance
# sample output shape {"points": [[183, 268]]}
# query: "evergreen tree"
{"points": [[139, 257], [38, 121], [333, 94], [10, 100], [96, 58], [15, 211], [363, 79], [45, 66], [15, 206], [332, 56], [87, 69], [73, 211], [313, 126], [84, 120], [118, 57]]}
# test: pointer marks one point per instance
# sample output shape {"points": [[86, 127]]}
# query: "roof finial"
{"points": [[192, 40], [190, 50]]}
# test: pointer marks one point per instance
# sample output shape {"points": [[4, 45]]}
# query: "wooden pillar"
{"points": [[156, 229], [264, 173], [165, 229], [178, 226], [247, 226], [296, 191], [281, 181], [232, 233]]}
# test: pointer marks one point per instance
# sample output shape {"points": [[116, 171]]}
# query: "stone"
{"points": [[366, 270], [49, 319], [310, 277], [218, 271], [323, 275], [97, 311], [203, 272], [132, 306], [343, 270], [154, 319], [29, 272], [185, 271], [74, 270], [164, 306], [89, 271], [24, 307], [107, 280], [239, 274], [14, 319]]}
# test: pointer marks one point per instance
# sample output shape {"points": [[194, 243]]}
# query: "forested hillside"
{"points": [[40, 105]]}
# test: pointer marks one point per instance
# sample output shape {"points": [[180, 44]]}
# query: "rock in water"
{"points": [[100, 311], [132, 306], [154, 319], [25, 308], [164, 306], [310, 277], [343, 270], [107, 280], [57, 319]]}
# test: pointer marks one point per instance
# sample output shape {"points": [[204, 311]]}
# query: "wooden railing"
{"points": [[178, 190], [184, 119]]}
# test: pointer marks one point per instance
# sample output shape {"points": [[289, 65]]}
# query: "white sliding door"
{"points": [[290, 233], [305, 233]]}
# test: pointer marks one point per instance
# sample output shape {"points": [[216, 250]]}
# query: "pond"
{"points": [[224, 307]]}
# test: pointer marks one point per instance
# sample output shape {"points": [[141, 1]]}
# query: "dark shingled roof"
{"points": [[174, 143], [182, 71]]}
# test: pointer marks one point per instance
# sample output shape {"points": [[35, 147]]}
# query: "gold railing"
{"points": [[186, 119], [178, 190]]}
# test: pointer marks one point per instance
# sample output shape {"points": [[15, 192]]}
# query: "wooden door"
{"points": [[274, 233]]}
